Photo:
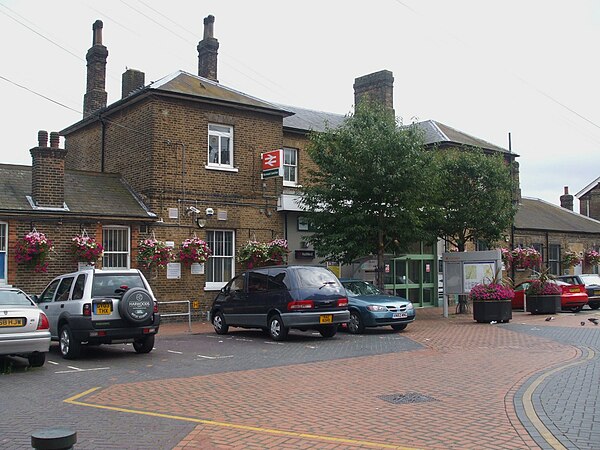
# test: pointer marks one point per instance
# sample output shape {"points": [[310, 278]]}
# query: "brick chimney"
{"points": [[132, 80], [48, 172], [566, 200], [95, 95], [375, 87], [207, 51]]}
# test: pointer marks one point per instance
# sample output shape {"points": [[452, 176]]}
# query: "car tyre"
{"points": [[69, 347], [399, 326], [328, 331], [355, 325], [594, 305], [277, 330], [144, 345], [36, 359], [576, 309], [219, 324]]}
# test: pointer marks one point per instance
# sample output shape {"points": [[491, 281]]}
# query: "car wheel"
{"points": [[594, 305], [69, 347], [576, 309], [355, 325], [399, 326], [36, 359], [144, 345], [277, 330], [328, 331], [136, 306], [219, 323]]}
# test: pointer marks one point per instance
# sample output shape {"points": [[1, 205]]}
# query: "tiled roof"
{"points": [[438, 133], [536, 214], [185, 83], [311, 120], [86, 193]]}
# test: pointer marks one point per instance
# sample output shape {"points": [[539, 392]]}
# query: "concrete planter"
{"points": [[543, 304], [486, 311]]}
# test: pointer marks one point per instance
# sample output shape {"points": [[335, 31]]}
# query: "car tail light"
{"points": [[43, 323], [342, 302], [155, 310], [301, 304], [87, 309]]}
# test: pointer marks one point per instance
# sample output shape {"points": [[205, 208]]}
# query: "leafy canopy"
{"points": [[473, 196], [367, 192]]}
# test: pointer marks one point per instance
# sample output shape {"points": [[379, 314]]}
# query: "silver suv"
{"points": [[100, 307]]}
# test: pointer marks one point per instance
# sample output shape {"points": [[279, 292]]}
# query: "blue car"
{"points": [[370, 307]]}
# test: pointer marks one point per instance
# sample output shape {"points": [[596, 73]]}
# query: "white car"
{"points": [[24, 329]]}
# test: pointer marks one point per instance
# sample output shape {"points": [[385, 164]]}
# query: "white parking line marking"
{"points": [[273, 343], [52, 362], [173, 351], [214, 357], [77, 370]]}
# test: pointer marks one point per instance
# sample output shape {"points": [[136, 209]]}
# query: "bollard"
{"points": [[54, 439]]}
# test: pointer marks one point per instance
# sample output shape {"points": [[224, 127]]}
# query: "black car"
{"points": [[591, 281], [278, 298]]}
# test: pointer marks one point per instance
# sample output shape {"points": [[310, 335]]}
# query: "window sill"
{"points": [[290, 184], [213, 286], [222, 168]]}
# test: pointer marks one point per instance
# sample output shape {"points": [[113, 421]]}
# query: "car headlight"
{"points": [[378, 308], [410, 306]]}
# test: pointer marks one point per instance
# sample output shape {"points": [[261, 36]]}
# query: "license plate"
{"points": [[20, 322], [399, 316], [103, 308], [327, 318], [596, 292], [574, 290]]}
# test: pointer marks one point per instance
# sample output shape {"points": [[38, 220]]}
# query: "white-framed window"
{"points": [[3, 247], [220, 147], [290, 167], [117, 251], [220, 266]]}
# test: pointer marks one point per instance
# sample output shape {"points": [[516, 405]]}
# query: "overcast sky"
{"points": [[528, 68]]}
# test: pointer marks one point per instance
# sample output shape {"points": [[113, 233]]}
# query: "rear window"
{"points": [[590, 279], [109, 285], [310, 277], [14, 298]]}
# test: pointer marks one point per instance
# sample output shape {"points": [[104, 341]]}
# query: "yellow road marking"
{"points": [[75, 401], [530, 411]]}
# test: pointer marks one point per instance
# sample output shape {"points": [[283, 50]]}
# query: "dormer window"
{"points": [[220, 147]]}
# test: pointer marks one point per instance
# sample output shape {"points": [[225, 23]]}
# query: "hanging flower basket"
{"points": [[153, 253], [194, 250], [591, 257], [571, 259], [86, 249], [526, 258], [507, 259], [33, 250], [259, 254]]}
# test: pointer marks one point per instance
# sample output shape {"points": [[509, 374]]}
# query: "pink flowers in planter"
{"points": [[33, 250], [258, 254], [491, 291], [153, 253], [194, 250], [591, 257], [86, 249]]}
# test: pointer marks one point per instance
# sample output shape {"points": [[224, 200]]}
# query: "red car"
{"points": [[573, 297]]}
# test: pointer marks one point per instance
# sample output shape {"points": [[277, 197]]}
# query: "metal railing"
{"points": [[188, 313]]}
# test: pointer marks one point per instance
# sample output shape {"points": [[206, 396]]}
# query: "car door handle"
{"points": [[62, 305]]}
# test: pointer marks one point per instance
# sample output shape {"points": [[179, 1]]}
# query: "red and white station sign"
{"points": [[272, 163]]}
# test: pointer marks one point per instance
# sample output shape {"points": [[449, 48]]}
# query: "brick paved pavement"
{"points": [[475, 373]]}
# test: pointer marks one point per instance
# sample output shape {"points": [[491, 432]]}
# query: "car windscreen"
{"points": [[14, 298], [361, 288], [590, 279], [310, 277], [113, 284]]}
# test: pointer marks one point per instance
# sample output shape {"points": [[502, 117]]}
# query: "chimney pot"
{"points": [[208, 49], [97, 32], [209, 22], [54, 139], [42, 138], [566, 190]]}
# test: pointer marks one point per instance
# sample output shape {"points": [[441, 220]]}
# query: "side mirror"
{"points": [[35, 298]]}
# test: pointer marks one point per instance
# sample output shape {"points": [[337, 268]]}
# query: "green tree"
{"points": [[367, 193], [473, 196]]}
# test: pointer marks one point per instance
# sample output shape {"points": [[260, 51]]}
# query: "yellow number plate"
{"points": [[574, 290], [104, 308], [20, 322], [327, 318]]}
